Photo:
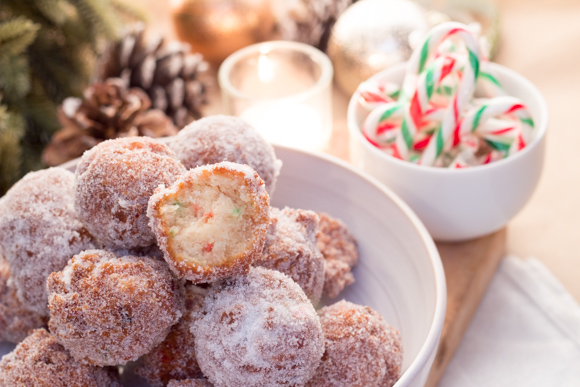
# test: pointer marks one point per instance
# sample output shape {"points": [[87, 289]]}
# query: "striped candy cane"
{"points": [[487, 83], [374, 94], [419, 104], [436, 121], [417, 65], [420, 57], [498, 106], [451, 118], [381, 125]]}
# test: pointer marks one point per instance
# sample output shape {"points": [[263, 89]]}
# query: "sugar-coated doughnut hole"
{"points": [[174, 358], [361, 349], [107, 310], [212, 222], [218, 138], [114, 181], [15, 320], [258, 329], [339, 248], [290, 247], [190, 383], [40, 232], [41, 361]]}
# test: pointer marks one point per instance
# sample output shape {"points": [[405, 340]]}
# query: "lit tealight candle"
{"points": [[287, 123], [283, 89]]}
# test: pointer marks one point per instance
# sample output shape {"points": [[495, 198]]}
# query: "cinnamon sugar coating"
{"points": [[114, 181], [218, 138], [40, 232], [361, 349], [339, 249], [291, 248], [40, 361], [107, 310], [174, 358], [212, 222], [258, 329], [190, 383], [15, 320]]}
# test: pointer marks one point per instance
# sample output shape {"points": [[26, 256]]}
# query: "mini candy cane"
{"points": [[487, 83], [418, 61], [496, 107], [379, 128], [374, 94], [464, 90], [436, 121], [419, 104]]}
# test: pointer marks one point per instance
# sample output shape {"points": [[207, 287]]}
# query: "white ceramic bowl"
{"points": [[399, 272], [459, 204]]}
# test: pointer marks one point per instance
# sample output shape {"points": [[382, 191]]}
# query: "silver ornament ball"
{"points": [[372, 35]]}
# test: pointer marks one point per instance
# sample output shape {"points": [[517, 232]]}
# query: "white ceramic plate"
{"points": [[399, 273]]}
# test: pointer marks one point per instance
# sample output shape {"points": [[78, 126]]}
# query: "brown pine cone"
{"points": [[309, 21], [109, 110], [175, 79]]}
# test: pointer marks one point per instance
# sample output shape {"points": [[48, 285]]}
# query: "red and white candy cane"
{"points": [[487, 83], [374, 94], [381, 125], [464, 90], [419, 60], [504, 105], [419, 104]]}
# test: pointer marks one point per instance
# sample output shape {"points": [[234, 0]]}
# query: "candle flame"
{"points": [[265, 68]]}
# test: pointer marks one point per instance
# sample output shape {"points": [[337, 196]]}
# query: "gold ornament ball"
{"points": [[217, 28], [372, 35]]}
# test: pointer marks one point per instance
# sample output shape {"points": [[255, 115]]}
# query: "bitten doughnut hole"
{"points": [[212, 222], [206, 224]]}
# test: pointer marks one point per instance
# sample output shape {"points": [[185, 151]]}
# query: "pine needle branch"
{"points": [[16, 35], [129, 10], [11, 132]]}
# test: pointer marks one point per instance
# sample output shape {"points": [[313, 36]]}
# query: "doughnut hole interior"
{"points": [[209, 221]]}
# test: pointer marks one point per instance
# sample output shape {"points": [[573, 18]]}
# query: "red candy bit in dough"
{"points": [[175, 358], [258, 329], [291, 248], [339, 249], [208, 247], [108, 311], [114, 181], [40, 361], [15, 320], [218, 138], [361, 349], [223, 234], [40, 232]]}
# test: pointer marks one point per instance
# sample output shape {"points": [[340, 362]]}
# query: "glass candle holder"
{"points": [[282, 88]]}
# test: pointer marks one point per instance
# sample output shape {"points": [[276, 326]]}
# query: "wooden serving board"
{"points": [[469, 267]]}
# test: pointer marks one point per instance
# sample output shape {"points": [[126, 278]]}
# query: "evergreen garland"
{"points": [[48, 51], [11, 132]]}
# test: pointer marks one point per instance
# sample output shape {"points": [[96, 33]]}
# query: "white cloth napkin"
{"points": [[526, 332]]}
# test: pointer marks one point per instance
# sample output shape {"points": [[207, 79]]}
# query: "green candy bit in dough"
{"points": [[237, 212]]}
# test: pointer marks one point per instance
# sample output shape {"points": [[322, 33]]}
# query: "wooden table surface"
{"points": [[539, 40]]}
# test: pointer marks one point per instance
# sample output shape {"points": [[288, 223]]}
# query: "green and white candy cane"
{"points": [[418, 106], [495, 107], [465, 89], [382, 124]]}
